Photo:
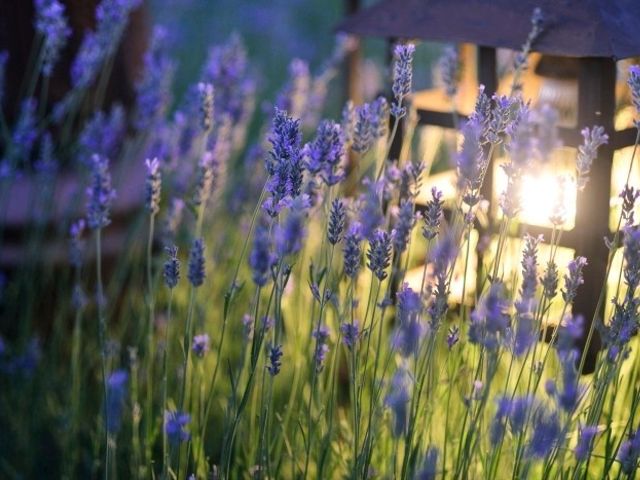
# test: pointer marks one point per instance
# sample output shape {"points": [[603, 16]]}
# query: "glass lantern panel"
{"points": [[620, 171]]}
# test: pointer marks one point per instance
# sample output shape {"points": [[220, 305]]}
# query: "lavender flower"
{"points": [[471, 162], [171, 272], [350, 334], [205, 91], [549, 280], [152, 186], [404, 225], [153, 91], [97, 46], [402, 76], [586, 434], [228, 70], [379, 254], [442, 256], [196, 274], [379, 120], [352, 251], [449, 70], [490, 320], [362, 131], [634, 85], [322, 348], [574, 279], [116, 395], [324, 154], [429, 468], [410, 180], [261, 259], [289, 234], [410, 329], [205, 179], [370, 215], [284, 164], [398, 400], [295, 95], [594, 138], [525, 335], [348, 122], [275, 354], [546, 122], [336, 221], [200, 345], [175, 423], [433, 215], [100, 194], [629, 453], [631, 254], [52, 24], [103, 134], [546, 434], [629, 195]]}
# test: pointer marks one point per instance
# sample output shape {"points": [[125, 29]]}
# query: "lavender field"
{"points": [[214, 265]]}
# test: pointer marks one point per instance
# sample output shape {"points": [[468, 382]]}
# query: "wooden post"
{"points": [[596, 104]]}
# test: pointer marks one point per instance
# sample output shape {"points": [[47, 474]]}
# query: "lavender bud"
{"points": [[629, 453], [275, 355], [77, 245], [629, 195], [175, 423], [379, 254], [453, 336], [433, 215], [402, 76], [594, 138], [574, 279], [171, 272], [336, 221], [634, 85], [52, 24], [100, 194], [116, 396], [196, 274], [153, 185], [449, 70], [404, 226], [261, 259], [206, 106], [350, 334], [398, 400], [352, 251], [322, 348], [200, 345]]}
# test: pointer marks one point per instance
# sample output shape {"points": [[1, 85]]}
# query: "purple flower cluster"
{"points": [[53, 26], [629, 453], [171, 271], [398, 400], [175, 423], [408, 336], [433, 215], [325, 153], [337, 218], [116, 396], [404, 226], [97, 46], [574, 279], [196, 273], [379, 254], [291, 232], [402, 76], [594, 138], [200, 345], [490, 319], [449, 70], [284, 165], [153, 91], [275, 362], [634, 85], [371, 124], [103, 134], [350, 334], [525, 334], [100, 194], [152, 186], [322, 348], [352, 251], [206, 103]]}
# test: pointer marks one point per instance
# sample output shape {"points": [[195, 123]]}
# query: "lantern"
{"points": [[574, 67]]}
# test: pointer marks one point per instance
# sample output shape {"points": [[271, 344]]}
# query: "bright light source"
{"points": [[541, 194]]}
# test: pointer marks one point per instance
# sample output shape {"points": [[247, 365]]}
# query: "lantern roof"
{"points": [[572, 28]]}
